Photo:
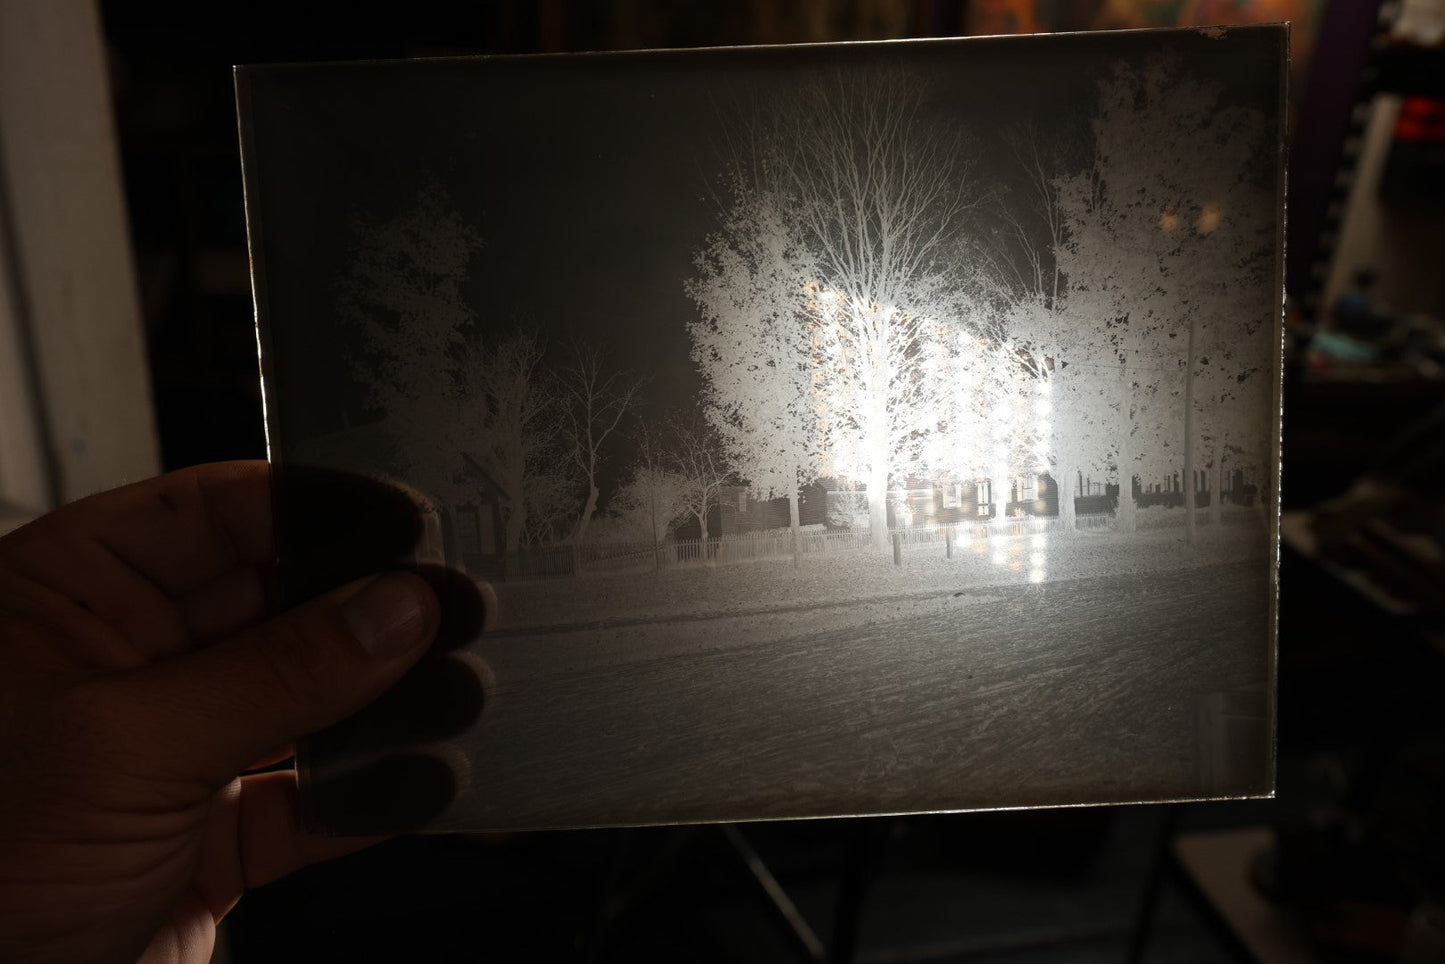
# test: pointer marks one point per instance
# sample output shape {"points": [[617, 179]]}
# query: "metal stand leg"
{"points": [[865, 849], [805, 941], [1159, 864]]}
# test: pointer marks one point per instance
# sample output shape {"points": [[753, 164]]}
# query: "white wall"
{"points": [[75, 409]]}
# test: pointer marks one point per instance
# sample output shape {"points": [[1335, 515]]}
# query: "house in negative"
{"points": [[478, 537], [737, 511], [949, 502], [460, 508], [961, 502], [1033, 495]]}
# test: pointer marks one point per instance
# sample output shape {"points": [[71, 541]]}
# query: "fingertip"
{"points": [[392, 614], [463, 606]]}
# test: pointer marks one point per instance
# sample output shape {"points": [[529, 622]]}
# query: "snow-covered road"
{"points": [[1075, 690]]}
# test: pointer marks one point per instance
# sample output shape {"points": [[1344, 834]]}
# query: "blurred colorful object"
{"points": [[1422, 119], [1414, 175], [1031, 16], [1043, 16]]}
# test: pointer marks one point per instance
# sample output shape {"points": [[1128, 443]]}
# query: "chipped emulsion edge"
{"points": [[1281, 240], [255, 254], [249, 195]]}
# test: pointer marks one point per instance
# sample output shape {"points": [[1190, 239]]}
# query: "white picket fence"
{"points": [[555, 561]]}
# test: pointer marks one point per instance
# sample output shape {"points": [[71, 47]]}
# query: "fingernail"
{"points": [[387, 615]]}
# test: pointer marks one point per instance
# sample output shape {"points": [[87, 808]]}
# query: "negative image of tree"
{"points": [[592, 403], [753, 344], [872, 196], [514, 421], [401, 296], [1157, 235]]}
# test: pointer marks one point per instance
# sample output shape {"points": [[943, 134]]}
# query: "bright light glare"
{"points": [[1039, 540], [1208, 218], [1036, 575]]}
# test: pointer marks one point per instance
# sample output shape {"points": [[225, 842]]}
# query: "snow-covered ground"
{"points": [[1096, 688], [1036, 669], [698, 591]]}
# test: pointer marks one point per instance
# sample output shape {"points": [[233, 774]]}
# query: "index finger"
{"points": [[185, 529]]}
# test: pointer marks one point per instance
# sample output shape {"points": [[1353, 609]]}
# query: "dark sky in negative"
{"points": [[592, 177]]}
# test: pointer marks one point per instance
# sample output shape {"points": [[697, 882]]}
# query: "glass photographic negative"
{"points": [[835, 430]]}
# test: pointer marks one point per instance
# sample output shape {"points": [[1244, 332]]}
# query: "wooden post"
{"points": [[948, 542], [898, 548], [1191, 495], [793, 529]]}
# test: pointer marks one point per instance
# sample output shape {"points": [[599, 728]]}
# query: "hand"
{"points": [[139, 676]]}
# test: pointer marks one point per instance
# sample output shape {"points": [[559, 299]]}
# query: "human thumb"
{"points": [[222, 707]]}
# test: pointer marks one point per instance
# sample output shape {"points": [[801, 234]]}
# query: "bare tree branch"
{"points": [[593, 403]]}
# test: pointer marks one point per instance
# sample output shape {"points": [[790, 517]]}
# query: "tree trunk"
{"points": [[1124, 516], [579, 535], [1065, 485], [1216, 498], [878, 507], [796, 528], [516, 514], [1262, 509], [656, 541], [702, 533], [878, 448], [1190, 535]]}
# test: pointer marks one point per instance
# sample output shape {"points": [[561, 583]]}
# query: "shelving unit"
{"points": [[1395, 238]]}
